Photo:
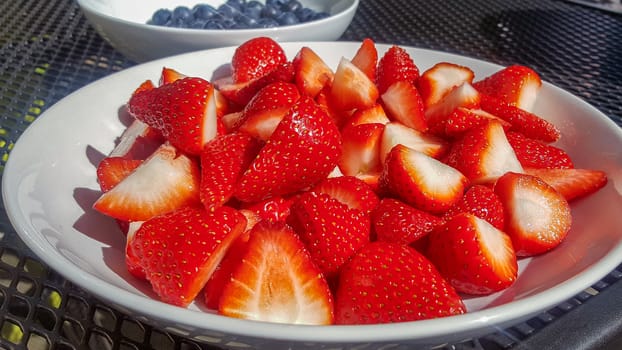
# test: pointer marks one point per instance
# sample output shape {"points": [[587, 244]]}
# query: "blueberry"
{"points": [[203, 11], [181, 13], [253, 9], [177, 23], [161, 16], [228, 11], [197, 23], [213, 24], [267, 23], [304, 14], [292, 6], [237, 4], [270, 11], [276, 3], [247, 21], [320, 15], [287, 19]]}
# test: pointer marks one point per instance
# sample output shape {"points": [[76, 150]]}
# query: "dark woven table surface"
{"points": [[48, 50]]}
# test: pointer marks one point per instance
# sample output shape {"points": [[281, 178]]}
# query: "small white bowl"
{"points": [[124, 25]]}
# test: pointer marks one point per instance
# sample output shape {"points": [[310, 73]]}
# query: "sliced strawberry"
{"points": [[241, 93], [388, 282], [372, 115], [537, 217], [351, 88], [396, 133], [323, 99], [516, 85], [111, 170], [460, 96], [461, 120], [397, 222], [274, 209], [521, 121], [169, 75], [223, 161], [312, 74], [351, 191], [277, 282], [180, 250], [395, 65], [361, 149], [482, 202], [422, 181], [330, 229], [403, 103], [132, 262], [256, 58], [303, 150], [440, 79], [572, 183], [483, 154], [145, 85], [366, 58], [166, 181], [474, 256], [537, 154], [184, 111], [138, 141], [267, 108]]}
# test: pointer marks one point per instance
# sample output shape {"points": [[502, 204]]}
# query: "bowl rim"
{"points": [[88, 7]]}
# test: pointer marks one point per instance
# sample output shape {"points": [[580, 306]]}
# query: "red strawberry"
{"points": [[330, 229], [164, 182], [372, 115], [516, 85], [351, 88], [132, 262], [483, 154], [138, 141], [537, 217], [403, 103], [572, 183], [440, 79], [179, 251], [169, 75], [397, 222], [460, 96], [256, 58], [482, 202], [111, 170], [474, 256], [351, 191], [396, 133], [537, 154], [241, 93], [366, 58], [274, 209], [145, 85], [277, 282], [312, 74], [303, 150], [184, 111], [520, 120], [361, 149], [223, 161], [388, 282], [463, 119], [395, 65], [266, 109], [422, 181]]}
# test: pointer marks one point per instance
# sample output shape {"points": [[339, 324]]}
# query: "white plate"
{"points": [[49, 185]]}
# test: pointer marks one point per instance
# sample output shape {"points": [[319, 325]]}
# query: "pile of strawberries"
{"points": [[373, 192]]}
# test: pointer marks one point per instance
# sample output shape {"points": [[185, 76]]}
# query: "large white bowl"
{"points": [[49, 185], [123, 24]]}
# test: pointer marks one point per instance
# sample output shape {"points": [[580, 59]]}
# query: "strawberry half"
{"points": [[474, 256], [516, 85], [179, 251], [256, 58], [422, 181], [366, 58], [462, 119], [372, 115], [138, 141], [274, 209], [537, 154], [460, 96], [351, 191], [397, 222], [267, 108], [303, 150], [331, 230], [482, 202], [440, 79], [223, 161], [361, 149], [277, 281], [403, 103], [312, 74], [169, 75], [572, 183], [397, 133], [395, 65], [537, 217], [164, 182], [351, 88], [183, 110], [388, 282], [112, 170], [483, 154]]}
